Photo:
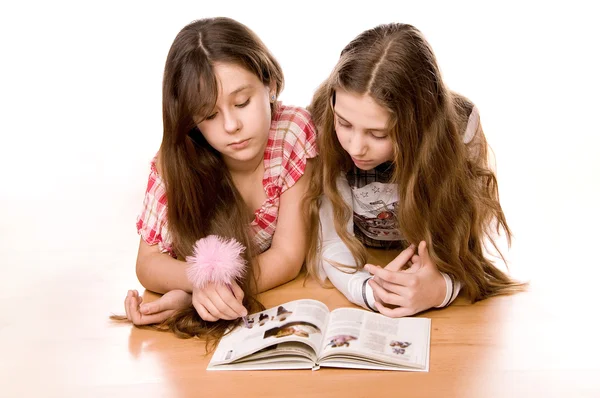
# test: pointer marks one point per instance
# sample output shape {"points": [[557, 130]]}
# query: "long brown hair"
{"points": [[202, 198], [448, 195]]}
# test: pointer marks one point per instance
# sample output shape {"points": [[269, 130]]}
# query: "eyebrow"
{"points": [[381, 130], [242, 88]]}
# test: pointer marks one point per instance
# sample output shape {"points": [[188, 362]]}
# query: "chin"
{"points": [[244, 156], [365, 167]]}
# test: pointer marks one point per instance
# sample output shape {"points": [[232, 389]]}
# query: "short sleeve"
{"points": [[152, 221], [300, 144]]}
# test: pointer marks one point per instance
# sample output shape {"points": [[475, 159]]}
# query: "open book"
{"points": [[304, 334]]}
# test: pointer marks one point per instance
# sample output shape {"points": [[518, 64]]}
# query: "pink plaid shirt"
{"points": [[292, 140]]}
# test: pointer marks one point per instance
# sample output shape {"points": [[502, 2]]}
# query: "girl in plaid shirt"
{"points": [[232, 163], [403, 163]]}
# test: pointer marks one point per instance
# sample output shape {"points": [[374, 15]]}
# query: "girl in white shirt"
{"points": [[403, 164]]}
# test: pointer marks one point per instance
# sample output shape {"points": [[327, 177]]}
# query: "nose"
{"points": [[231, 123], [357, 145]]}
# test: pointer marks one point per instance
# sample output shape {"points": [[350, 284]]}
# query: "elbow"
{"points": [[141, 271], [295, 266]]}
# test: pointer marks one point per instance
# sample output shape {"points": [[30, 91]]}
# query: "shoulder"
{"points": [[292, 141], [292, 134], [294, 121]]}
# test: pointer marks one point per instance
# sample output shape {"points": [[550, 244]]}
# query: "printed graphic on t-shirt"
{"points": [[375, 211]]}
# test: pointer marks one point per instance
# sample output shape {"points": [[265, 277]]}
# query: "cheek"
{"points": [[342, 137], [388, 150], [260, 113], [210, 137]]}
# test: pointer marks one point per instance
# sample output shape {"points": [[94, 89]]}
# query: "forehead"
{"points": [[231, 77], [361, 109]]}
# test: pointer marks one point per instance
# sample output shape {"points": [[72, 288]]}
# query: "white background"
{"points": [[80, 113]]}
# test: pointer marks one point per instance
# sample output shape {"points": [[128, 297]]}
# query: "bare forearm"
{"points": [[161, 273], [276, 268]]}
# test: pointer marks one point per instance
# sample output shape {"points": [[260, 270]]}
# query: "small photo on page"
{"points": [[282, 314], [397, 347], [342, 340], [262, 318], [299, 328]]}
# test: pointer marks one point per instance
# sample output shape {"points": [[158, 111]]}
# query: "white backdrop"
{"points": [[80, 92]]}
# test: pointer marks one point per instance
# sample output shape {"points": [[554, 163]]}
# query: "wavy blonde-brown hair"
{"points": [[448, 194], [202, 199]]}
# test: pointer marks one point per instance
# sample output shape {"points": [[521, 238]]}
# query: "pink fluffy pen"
{"points": [[216, 260]]}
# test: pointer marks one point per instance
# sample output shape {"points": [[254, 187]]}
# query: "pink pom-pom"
{"points": [[216, 260]]}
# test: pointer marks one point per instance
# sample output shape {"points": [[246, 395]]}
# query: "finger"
{"points": [[415, 258], [415, 267], [227, 303], [401, 259], [207, 302], [238, 292], [136, 297], [398, 312], [134, 311], [404, 292], [203, 312], [396, 277], [224, 311], [154, 318], [424, 253], [386, 296], [378, 280], [126, 304], [236, 302], [156, 306]]}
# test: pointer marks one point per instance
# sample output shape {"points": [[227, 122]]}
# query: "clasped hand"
{"points": [[401, 291], [213, 302]]}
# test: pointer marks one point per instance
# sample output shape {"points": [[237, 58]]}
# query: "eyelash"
{"points": [[372, 135], [379, 138], [242, 105]]}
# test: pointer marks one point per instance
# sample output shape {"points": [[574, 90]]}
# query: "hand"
{"points": [[218, 301], [409, 291], [155, 311]]}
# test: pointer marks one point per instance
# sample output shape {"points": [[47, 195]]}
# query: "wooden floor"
{"points": [[81, 118], [56, 340]]}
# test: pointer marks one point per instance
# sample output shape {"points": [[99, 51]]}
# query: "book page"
{"points": [[375, 337], [301, 321]]}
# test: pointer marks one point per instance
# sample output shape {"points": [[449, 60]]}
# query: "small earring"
{"points": [[273, 98]]}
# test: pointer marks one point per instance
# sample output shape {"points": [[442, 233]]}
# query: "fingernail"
{"points": [[368, 267], [245, 313]]}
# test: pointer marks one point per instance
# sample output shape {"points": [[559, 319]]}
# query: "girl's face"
{"points": [[239, 125], [361, 128]]}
